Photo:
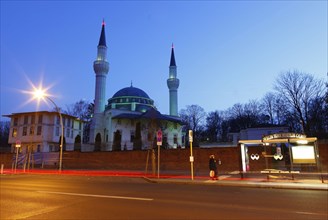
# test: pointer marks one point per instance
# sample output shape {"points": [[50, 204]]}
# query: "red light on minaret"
{"points": [[103, 22], [172, 45]]}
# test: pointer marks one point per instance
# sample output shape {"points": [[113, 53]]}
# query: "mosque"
{"points": [[129, 120]]}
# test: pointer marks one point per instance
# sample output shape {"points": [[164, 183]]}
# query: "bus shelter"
{"points": [[286, 152]]}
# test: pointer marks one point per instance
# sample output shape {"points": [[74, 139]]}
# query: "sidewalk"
{"points": [[257, 181], [304, 182]]}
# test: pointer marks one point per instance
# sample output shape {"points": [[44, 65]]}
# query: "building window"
{"points": [[15, 121], [175, 139], [40, 119], [68, 122], [39, 130], [14, 134], [132, 136], [25, 119], [71, 133], [67, 132], [57, 131], [38, 148], [80, 125], [64, 121], [32, 130], [33, 119], [57, 120], [24, 131]]}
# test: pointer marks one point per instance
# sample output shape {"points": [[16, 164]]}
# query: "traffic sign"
{"points": [[18, 143], [190, 136], [159, 137]]}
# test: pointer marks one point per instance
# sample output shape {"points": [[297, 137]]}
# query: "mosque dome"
{"points": [[131, 91], [131, 99]]}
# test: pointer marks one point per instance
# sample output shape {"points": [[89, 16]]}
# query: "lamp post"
{"points": [[41, 95]]}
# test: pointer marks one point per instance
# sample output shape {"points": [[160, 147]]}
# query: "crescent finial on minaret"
{"points": [[102, 40]]}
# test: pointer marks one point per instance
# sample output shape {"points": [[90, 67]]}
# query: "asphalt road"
{"points": [[92, 197]]}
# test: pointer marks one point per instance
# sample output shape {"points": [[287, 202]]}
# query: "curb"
{"points": [[241, 183]]}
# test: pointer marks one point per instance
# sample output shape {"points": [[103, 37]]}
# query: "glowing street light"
{"points": [[40, 94]]}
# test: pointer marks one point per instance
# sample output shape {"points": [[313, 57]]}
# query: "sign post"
{"points": [[18, 145], [191, 156], [159, 144]]}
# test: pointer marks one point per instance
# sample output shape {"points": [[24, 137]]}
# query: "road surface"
{"points": [[95, 197]]}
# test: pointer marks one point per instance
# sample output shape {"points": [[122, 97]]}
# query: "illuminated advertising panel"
{"points": [[303, 154]]}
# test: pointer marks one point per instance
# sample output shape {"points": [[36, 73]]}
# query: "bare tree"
{"points": [[83, 110], [213, 125], [4, 133], [79, 109], [299, 89], [244, 116], [268, 105], [193, 116]]}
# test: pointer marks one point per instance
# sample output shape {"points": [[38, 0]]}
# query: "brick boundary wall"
{"points": [[171, 160]]}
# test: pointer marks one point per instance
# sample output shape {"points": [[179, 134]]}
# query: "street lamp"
{"points": [[40, 94]]}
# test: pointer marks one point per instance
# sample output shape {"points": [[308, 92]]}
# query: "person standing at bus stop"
{"points": [[213, 168]]}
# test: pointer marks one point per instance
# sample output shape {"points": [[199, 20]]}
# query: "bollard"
{"points": [[1, 170]]}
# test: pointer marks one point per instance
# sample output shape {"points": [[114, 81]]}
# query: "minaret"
{"points": [[101, 68], [173, 85]]}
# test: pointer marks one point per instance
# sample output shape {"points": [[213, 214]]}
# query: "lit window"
{"points": [[14, 134]]}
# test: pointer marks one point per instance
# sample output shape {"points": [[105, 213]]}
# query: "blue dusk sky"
{"points": [[227, 52]]}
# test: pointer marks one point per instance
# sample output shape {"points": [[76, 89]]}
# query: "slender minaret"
{"points": [[173, 85], [101, 68]]}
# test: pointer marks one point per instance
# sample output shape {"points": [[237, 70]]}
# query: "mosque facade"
{"points": [[129, 120]]}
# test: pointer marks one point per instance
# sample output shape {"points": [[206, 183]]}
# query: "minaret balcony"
{"points": [[173, 83], [100, 66]]}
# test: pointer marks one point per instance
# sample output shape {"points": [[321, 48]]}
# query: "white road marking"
{"points": [[97, 196], [309, 213], [222, 177]]}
